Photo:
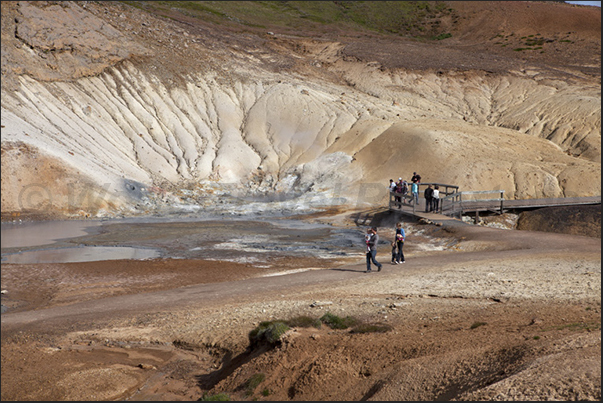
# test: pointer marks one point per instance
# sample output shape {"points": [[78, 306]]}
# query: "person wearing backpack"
{"points": [[398, 191], [372, 239], [398, 244], [415, 177]]}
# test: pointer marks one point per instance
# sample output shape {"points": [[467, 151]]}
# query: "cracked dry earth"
{"points": [[497, 315]]}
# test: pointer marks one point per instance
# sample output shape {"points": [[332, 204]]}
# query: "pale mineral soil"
{"points": [[495, 315]]}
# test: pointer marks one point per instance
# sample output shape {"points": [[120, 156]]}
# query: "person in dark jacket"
{"points": [[398, 256], [372, 239], [428, 198]]}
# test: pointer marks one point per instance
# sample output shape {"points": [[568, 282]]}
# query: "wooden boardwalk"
{"points": [[454, 203]]}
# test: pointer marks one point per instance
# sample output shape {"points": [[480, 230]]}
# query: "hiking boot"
{"points": [[379, 268]]}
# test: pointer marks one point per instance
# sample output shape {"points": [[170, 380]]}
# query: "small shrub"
{"points": [[475, 325], [255, 380], [220, 397], [304, 321], [536, 337], [371, 328], [253, 383], [266, 392], [270, 332], [335, 322], [442, 36]]}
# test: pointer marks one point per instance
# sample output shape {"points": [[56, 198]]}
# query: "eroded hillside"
{"points": [[109, 109]]}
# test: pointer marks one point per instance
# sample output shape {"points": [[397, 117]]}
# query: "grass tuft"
{"points": [[220, 397], [304, 321], [442, 36], [270, 332], [253, 383], [335, 322], [475, 325]]}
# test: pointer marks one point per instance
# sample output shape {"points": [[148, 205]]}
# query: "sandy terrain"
{"points": [[498, 315]]}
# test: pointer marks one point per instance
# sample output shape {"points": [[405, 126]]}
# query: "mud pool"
{"points": [[241, 240]]}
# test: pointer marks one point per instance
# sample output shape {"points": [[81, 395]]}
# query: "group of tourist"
{"points": [[372, 239], [400, 188], [431, 194]]}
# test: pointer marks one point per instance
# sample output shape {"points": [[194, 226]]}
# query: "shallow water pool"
{"points": [[80, 254]]}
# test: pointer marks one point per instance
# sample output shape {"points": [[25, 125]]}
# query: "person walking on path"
{"points": [[414, 190], [436, 198], [399, 244], [394, 252], [372, 239], [428, 198]]}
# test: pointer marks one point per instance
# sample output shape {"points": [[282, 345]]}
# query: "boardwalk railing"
{"points": [[454, 203], [399, 200], [459, 202], [445, 189]]}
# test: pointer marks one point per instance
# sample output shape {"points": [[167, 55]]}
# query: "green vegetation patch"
{"points": [[253, 383], [220, 397], [335, 322], [268, 332], [304, 321], [475, 325], [442, 36], [394, 17]]}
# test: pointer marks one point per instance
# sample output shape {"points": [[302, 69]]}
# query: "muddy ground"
{"points": [[476, 313]]}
